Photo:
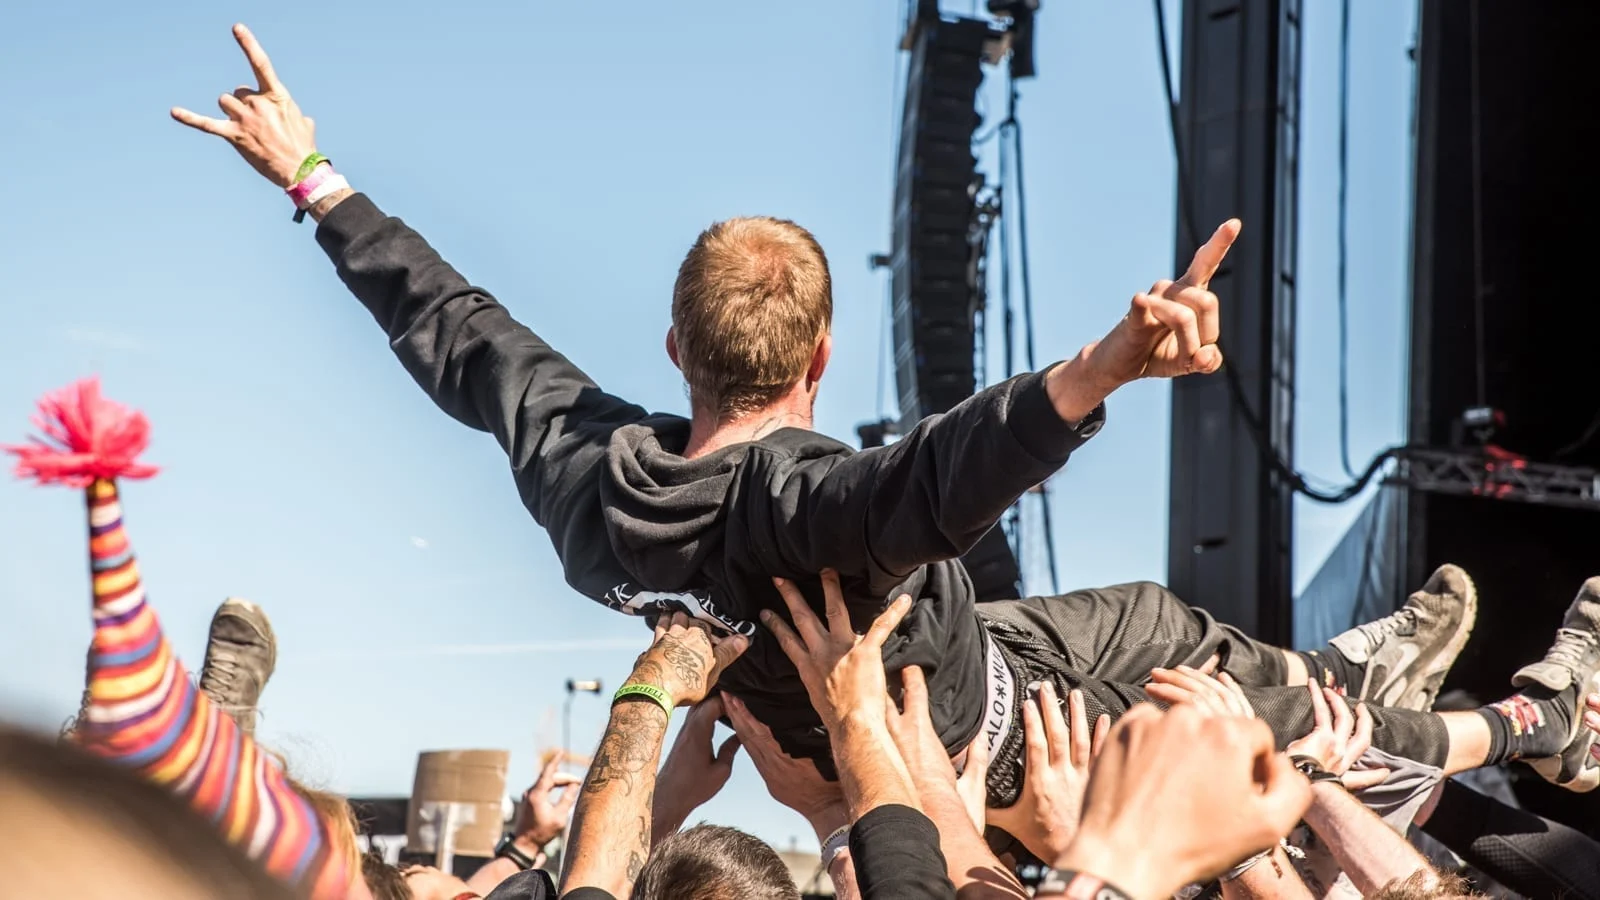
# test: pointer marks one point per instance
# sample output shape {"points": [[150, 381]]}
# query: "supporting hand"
{"points": [[1056, 771], [795, 783], [1337, 738], [686, 659], [1176, 798], [842, 671], [695, 770]]}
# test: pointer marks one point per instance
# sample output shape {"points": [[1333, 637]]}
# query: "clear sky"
{"points": [[564, 156]]}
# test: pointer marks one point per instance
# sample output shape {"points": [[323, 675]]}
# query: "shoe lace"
{"points": [[1377, 632], [1570, 648], [222, 671]]}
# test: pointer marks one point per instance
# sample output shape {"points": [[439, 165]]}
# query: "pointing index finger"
{"points": [[266, 79], [1211, 254]]}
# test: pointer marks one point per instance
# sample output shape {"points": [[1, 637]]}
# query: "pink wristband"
{"points": [[301, 191]]}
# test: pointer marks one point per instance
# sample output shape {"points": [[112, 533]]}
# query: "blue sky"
{"points": [[565, 162]]}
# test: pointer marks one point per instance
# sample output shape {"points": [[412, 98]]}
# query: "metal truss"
{"points": [[1496, 475]]}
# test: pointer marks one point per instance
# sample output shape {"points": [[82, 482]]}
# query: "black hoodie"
{"points": [[640, 528]]}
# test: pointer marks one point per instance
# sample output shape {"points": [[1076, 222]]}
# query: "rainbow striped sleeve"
{"points": [[144, 712]]}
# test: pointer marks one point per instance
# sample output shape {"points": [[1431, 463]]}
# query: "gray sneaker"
{"points": [[1574, 659], [1408, 653], [240, 658]]}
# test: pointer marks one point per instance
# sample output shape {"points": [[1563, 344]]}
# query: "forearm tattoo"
{"points": [[636, 856], [629, 749]]}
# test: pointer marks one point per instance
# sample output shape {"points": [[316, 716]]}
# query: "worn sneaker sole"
{"points": [[1575, 767], [1407, 674]]}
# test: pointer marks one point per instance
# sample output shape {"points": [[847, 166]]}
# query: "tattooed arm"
{"points": [[611, 828]]}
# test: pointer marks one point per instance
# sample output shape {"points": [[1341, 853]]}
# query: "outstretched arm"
{"points": [[141, 709], [144, 712], [931, 495], [463, 348]]}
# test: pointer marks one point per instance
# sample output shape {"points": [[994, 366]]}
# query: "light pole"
{"points": [[574, 687]]}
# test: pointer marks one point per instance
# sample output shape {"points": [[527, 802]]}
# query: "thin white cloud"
{"points": [[107, 340], [419, 543]]}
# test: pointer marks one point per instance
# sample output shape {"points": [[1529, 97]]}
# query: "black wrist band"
{"points": [[1072, 885], [1313, 770], [508, 849]]}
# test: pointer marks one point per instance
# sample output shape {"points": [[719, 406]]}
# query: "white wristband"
{"points": [[837, 842], [329, 186]]}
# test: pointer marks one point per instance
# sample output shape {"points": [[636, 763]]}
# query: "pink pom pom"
{"points": [[86, 437]]}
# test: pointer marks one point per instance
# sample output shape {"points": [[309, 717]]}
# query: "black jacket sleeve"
{"points": [[895, 851], [479, 364], [927, 497]]}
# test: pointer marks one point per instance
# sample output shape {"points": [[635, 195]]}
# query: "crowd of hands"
{"points": [[1174, 794]]}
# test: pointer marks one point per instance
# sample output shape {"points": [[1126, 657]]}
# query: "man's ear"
{"points": [[819, 360], [672, 347]]}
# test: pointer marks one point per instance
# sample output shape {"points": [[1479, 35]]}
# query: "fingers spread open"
{"points": [[833, 605], [788, 641], [222, 128], [727, 649], [805, 621], [1343, 725], [1102, 727], [259, 63], [914, 690], [746, 725], [547, 774], [1361, 742], [1036, 746], [1170, 694], [1082, 748], [1055, 725], [887, 621], [1319, 707]]}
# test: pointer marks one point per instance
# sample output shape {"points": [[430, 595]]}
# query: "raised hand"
{"points": [[1172, 329], [685, 659], [1056, 770], [1206, 790], [1338, 738], [1215, 694], [263, 123], [695, 770], [795, 783], [541, 815], [842, 671]]}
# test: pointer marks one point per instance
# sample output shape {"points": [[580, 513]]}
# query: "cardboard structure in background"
{"points": [[458, 802]]}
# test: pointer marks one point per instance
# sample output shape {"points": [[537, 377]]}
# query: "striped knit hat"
{"points": [[142, 710]]}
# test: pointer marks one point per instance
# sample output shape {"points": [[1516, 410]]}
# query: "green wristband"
{"points": [[309, 166], [661, 697]]}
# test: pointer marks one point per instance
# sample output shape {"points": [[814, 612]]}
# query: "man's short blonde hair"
{"points": [[752, 301]]}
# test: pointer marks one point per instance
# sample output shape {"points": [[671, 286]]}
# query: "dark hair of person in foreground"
{"points": [[78, 826], [713, 862]]}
